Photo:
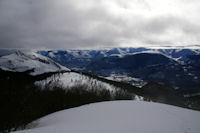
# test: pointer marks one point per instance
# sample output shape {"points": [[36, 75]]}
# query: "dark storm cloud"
{"points": [[93, 23]]}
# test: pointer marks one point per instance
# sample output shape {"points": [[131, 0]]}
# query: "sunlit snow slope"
{"points": [[70, 79], [119, 117], [24, 61]]}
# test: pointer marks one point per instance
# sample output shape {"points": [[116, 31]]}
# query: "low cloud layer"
{"points": [[57, 24]]}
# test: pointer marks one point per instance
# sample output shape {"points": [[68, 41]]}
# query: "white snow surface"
{"points": [[22, 61], [70, 79], [119, 117]]}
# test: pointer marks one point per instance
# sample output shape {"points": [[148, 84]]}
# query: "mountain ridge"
{"points": [[182, 71], [29, 61]]}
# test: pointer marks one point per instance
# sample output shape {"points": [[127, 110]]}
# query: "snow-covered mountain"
{"points": [[119, 117], [35, 86], [180, 54], [21, 61], [29, 61], [69, 80], [174, 67], [28, 84], [130, 62], [77, 59]]}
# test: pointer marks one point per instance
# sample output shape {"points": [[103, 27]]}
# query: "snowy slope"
{"points": [[69, 79], [23, 61], [119, 117], [72, 80]]}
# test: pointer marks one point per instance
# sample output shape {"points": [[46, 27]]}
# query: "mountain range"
{"points": [[178, 68], [49, 81]]}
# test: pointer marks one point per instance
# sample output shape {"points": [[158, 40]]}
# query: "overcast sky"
{"points": [[58, 24]]}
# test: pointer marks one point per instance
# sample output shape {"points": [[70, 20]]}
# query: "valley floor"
{"points": [[119, 117]]}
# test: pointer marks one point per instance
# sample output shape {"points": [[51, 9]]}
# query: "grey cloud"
{"points": [[63, 24]]}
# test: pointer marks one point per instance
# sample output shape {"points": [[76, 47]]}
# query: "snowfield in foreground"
{"points": [[119, 117]]}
